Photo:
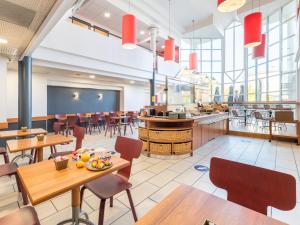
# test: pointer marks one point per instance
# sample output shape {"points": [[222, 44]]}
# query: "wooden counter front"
{"points": [[165, 136]]}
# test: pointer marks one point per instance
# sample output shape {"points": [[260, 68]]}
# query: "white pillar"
{"points": [[3, 92]]}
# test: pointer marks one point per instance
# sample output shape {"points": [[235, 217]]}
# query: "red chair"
{"points": [[26, 215], [112, 124], [254, 187], [3, 152], [10, 170], [127, 121], [62, 120], [101, 119], [108, 186], [72, 121], [79, 135], [95, 122]]}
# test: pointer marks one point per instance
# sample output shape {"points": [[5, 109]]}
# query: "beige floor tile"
{"points": [[291, 217], [141, 210], [163, 178], [189, 177], [45, 209], [181, 166], [159, 167], [140, 177], [164, 191], [8, 208], [205, 186], [140, 166], [221, 193], [139, 194]]}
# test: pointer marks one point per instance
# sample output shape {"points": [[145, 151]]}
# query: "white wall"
{"points": [[3, 78], [133, 97]]}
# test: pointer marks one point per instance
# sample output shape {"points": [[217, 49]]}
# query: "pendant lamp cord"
{"points": [[129, 6], [193, 44], [169, 17]]}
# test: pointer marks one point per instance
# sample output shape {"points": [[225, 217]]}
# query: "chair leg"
{"points": [[111, 201], [21, 189], [81, 195], [101, 212], [6, 158], [125, 126], [131, 205], [131, 128]]}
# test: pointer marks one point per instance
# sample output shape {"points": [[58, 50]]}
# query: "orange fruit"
{"points": [[79, 164], [85, 157]]}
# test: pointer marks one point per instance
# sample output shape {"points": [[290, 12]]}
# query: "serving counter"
{"points": [[164, 136]]}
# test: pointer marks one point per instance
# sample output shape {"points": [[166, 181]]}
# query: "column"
{"points": [[153, 33], [3, 93], [25, 92]]}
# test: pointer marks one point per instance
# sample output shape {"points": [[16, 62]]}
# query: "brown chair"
{"points": [[72, 121], [254, 187], [79, 135], [112, 124], [62, 120], [10, 170], [3, 152], [84, 121], [126, 121], [95, 122], [284, 117], [26, 215], [259, 117], [108, 186]]}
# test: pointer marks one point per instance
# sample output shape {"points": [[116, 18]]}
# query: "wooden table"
{"points": [[20, 133], [42, 182], [188, 205], [32, 143]]}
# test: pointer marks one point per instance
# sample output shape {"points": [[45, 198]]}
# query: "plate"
{"points": [[89, 167]]}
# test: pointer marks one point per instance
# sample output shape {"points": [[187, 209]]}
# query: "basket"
{"points": [[60, 165], [40, 137]]}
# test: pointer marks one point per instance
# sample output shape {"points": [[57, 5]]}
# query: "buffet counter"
{"points": [[164, 136]]}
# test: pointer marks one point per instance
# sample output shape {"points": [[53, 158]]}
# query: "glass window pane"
{"points": [[289, 82], [217, 55], [274, 96], [185, 44], [288, 64], [228, 50], [217, 44], [217, 67], [289, 28], [206, 43], [274, 35], [185, 55], [274, 52], [274, 20], [206, 55], [261, 71], [273, 68], [289, 46], [289, 10], [274, 83], [239, 47], [206, 67]]}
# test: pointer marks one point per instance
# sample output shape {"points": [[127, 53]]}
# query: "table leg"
{"points": [[40, 155], [76, 219], [245, 111]]}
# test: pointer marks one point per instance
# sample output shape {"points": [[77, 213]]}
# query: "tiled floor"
{"points": [[154, 178]]}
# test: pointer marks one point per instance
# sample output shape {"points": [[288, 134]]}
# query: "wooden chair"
{"points": [[26, 215], [95, 122], [127, 121], [10, 169], [62, 120], [84, 121], [79, 135], [108, 186], [112, 124], [254, 187], [72, 121], [3, 152]]}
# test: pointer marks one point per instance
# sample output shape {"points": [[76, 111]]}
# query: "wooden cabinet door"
{"points": [[205, 134]]}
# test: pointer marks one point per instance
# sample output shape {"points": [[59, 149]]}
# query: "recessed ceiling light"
{"points": [[162, 46], [92, 76], [132, 82], [142, 32], [3, 41], [107, 14]]}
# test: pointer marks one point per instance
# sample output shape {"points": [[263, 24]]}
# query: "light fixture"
{"points": [[132, 82], [3, 41], [92, 76], [169, 52], [75, 95], [163, 46], [128, 31], [100, 96], [230, 5], [193, 55], [259, 51], [252, 30], [107, 14], [142, 32]]}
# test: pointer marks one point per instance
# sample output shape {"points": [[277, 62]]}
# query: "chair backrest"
{"points": [[254, 187], [72, 120], [60, 116], [128, 148], [284, 116], [79, 135], [95, 118], [258, 116], [234, 113], [56, 127]]}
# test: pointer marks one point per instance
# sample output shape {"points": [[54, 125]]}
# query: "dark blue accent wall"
{"points": [[60, 100]]}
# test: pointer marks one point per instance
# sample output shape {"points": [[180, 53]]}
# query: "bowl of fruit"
{"points": [[98, 164]]}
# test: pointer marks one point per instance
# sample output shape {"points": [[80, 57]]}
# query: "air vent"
{"points": [[16, 14], [9, 52]]}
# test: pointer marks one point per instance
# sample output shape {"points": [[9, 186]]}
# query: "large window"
{"points": [[209, 55]]}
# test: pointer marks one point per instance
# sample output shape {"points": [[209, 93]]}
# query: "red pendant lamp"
{"points": [[169, 54], [128, 31], [230, 5], [193, 55], [252, 30], [259, 51]]}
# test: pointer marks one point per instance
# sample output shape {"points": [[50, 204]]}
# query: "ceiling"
{"points": [[93, 12], [19, 21]]}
